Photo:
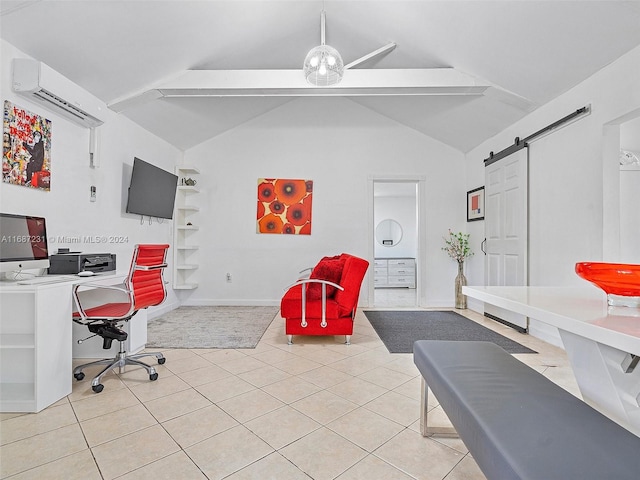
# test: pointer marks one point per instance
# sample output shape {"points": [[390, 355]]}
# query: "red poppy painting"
{"points": [[284, 206]]}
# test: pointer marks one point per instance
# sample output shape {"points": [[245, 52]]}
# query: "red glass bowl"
{"points": [[614, 278]]}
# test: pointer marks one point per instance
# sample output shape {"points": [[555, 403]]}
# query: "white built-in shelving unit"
{"points": [[185, 230]]}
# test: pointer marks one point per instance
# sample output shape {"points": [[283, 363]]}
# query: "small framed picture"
{"points": [[475, 204]]}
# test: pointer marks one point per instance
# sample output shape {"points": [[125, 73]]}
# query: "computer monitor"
{"points": [[23, 243]]}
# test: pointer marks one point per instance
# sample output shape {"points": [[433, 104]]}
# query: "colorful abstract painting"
{"points": [[26, 148], [284, 206]]}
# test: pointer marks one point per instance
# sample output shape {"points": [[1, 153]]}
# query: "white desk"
{"points": [[36, 346], [600, 341]]}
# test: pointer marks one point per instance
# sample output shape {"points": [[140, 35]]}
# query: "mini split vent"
{"points": [[39, 82]]}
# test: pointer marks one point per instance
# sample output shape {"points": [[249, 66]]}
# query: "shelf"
{"points": [[17, 397], [188, 188], [187, 170], [187, 208]]}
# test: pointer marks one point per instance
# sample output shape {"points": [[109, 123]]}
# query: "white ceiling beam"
{"points": [[376, 53], [433, 81], [291, 83], [135, 100]]}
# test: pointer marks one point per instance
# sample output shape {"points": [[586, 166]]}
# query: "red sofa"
{"points": [[326, 302]]}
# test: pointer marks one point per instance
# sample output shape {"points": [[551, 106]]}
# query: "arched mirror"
{"points": [[388, 233]]}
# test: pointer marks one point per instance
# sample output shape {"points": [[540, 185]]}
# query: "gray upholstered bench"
{"points": [[516, 423]]}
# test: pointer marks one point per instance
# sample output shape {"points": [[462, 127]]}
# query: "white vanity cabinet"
{"points": [[394, 272]]}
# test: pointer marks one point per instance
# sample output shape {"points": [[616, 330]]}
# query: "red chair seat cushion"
{"points": [[107, 310], [330, 269]]}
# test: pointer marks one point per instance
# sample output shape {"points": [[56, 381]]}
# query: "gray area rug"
{"points": [[210, 327], [399, 329]]}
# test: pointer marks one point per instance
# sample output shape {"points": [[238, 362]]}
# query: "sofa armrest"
{"points": [[303, 284], [314, 280], [306, 273]]}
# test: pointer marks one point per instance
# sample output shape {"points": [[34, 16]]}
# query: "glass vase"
{"points": [[461, 300]]}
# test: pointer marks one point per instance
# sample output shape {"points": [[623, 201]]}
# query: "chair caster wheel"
{"points": [[153, 376], [97, 388], [79, 376], [162, 360]]}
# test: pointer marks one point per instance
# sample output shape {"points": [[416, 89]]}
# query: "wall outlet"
{"points": [[228, 278]]}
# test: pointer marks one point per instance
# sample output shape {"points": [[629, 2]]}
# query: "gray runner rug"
{"points": [[399, 329], [210, 327]]}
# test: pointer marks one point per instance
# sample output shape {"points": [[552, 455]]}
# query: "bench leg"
{"points": [[425, 429]]}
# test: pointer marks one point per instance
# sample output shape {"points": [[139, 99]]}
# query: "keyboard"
{"points": [[44, 280]]}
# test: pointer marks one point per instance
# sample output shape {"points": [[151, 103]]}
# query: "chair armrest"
{"points": [[151, 267], [96, 286]]}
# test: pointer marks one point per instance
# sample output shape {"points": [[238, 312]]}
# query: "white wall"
{"points": [[570, 180], [339, 145], [69, 213]]}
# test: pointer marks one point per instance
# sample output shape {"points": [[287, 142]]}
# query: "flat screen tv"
{"points": [[23, 242], [152, 190]]}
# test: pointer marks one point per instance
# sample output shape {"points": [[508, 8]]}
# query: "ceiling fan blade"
{"points": [[376, 53]]}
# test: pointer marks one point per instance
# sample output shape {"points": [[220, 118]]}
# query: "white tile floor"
{"points": [[317, 409]]}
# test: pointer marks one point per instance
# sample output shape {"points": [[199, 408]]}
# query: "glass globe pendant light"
{"points": [[323, 65]]}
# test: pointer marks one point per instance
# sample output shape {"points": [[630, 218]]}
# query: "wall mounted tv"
{"points": [[152, 190]]}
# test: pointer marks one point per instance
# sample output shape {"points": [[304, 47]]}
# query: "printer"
{"points": [[76, 262]]}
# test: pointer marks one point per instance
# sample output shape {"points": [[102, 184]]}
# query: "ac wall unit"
{"points": [[57, 93]]}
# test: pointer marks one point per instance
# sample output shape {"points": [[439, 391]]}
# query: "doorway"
{"points": [[621, 183], [395, 239]]}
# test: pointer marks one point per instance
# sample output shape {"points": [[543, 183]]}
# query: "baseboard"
{"points": [[230, 303], [475, 305]]}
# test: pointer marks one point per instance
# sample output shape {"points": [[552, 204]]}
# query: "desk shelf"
{"points": [[35, 346], [17, 341], [18, 397]]}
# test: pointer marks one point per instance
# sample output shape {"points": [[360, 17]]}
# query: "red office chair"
{"points": [[144, 287]]}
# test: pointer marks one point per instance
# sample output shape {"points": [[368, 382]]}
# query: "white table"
{"points": [[602, 342], [36, 341]]}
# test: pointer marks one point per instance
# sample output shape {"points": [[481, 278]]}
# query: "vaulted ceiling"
{"points": [[521, 54]]}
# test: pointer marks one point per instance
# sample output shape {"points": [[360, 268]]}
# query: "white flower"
{"points": [[457, 246]]}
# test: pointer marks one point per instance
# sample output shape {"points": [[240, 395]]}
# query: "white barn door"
{"points": [[506, 228]]}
